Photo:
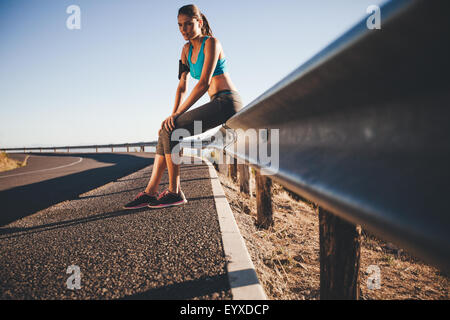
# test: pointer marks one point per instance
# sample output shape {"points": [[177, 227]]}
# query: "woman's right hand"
{"points": [[169, 123]]}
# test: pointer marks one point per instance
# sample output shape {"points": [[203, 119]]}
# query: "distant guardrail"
{"points": [[141, 146]]}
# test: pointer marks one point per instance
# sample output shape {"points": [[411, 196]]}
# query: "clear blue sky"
{"points": [[114, 80]]}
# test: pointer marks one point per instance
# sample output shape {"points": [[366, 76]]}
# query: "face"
{"points": [[190, 28]]}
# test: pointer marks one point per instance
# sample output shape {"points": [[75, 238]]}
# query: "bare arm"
{"points": [[183, 84], [181, 92]]}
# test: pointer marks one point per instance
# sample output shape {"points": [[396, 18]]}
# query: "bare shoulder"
{"points": [[185, 48], [213, 43], [184, 52]]}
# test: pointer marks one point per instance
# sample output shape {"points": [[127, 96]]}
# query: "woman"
{"points": [[210, 69]]}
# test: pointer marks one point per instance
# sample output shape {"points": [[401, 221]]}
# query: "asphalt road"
{"points": [[50, 178], [170, 253]]}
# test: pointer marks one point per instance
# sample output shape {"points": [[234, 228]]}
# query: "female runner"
{"points": [[204, 58]]}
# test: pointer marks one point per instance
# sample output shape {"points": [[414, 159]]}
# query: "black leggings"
{"points": [[223, 105]]}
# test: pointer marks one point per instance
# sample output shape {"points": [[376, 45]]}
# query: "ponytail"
{"points": [[206, 29]]}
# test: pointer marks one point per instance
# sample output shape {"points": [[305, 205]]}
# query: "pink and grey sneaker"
{"points": [[168, 199], [142, 200]]}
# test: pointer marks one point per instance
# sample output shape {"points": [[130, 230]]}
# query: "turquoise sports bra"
{"points": [[196, 68]]}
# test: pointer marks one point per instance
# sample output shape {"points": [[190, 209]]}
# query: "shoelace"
{"points": [[163, 194], [141, 194]]}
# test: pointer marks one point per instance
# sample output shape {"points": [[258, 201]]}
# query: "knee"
{"points": [[164, 136], [162, 132]]}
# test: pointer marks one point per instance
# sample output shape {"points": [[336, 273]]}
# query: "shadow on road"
{"points": [[13, 232], [185, 290], [25, 200]]}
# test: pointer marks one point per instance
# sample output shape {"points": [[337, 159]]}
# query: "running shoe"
{"points": [[142, 200], [168, 199]]}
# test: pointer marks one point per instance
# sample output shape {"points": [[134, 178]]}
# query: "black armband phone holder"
{"points": [[182, 68]]}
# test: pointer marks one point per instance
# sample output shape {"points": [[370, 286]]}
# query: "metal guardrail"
{"points": [[364, 128]]}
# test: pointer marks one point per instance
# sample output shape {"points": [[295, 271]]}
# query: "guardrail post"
{"points": [[54, 149], [112, 149], [68, 150], [232, 170], [263, 200], [223, 167], [128, 149], [142, 148], [340, 248], [214, 159], [243, 178]]}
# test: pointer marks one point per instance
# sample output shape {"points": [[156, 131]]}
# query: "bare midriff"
{"points": [[219, 83]]}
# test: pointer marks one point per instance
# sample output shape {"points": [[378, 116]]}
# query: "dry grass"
{"points": [[286, 256], [7, 163]]}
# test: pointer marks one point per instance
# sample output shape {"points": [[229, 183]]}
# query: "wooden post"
{"points": [[243, 178], [232, 170], [128, 149], [112, 149], [223, 167], [54, 150], [142, 148], [340, 248], [96, 149], [263, 200], [68, 150]]}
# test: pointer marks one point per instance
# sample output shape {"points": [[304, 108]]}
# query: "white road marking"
{"points": [[67, 165]]}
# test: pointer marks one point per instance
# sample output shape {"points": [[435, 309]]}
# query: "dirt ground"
{"points": [[286, 256]]}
